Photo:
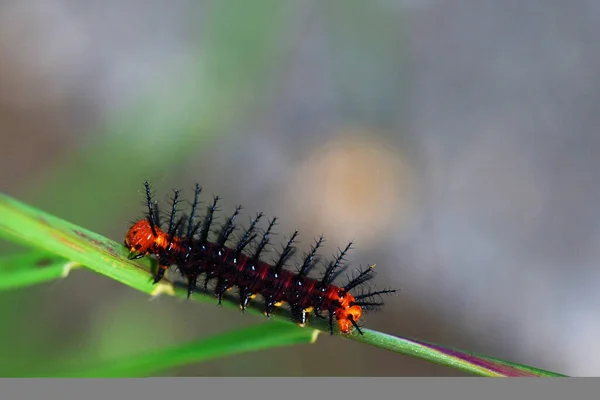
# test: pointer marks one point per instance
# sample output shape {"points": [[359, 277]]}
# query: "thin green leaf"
{"points": [[36, 228], [22, 270], [454, 358], [246, 340]]}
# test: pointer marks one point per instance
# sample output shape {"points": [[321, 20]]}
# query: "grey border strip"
{"points": [[302, 388]]}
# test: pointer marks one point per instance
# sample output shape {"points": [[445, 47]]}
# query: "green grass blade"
{"points": [[450, 357], [29, 226], [25, 224], [22, 270], [246, 340]]}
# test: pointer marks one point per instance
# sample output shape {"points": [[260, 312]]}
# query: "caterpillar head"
{"points": [[140, 238]]}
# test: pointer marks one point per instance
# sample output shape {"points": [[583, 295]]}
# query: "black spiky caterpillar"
{"points": [[236, 265]]}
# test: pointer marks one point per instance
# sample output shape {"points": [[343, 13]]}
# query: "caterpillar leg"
{"points": [[192, 284], [160, 273], [135, 256], [331, 322]]}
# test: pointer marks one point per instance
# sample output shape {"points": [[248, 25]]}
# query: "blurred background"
{"points": [[455, 142]]}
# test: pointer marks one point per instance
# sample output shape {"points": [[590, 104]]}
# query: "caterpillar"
{"points": [[230, 263]]}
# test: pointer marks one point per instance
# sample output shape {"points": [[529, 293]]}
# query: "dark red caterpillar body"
{"points": [[237, 265]]}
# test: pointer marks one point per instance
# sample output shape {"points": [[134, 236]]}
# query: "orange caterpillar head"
{"points": [[140, 238], [348, 313]]}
